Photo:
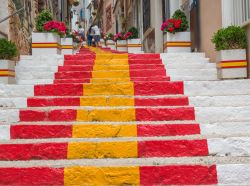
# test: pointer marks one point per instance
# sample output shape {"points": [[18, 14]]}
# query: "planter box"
{"points": [[134, 46], [232, 64], [111, 44], [102, 42], [121, 46], [7, 72], [66, 46], [45, 43], [179, 42]]}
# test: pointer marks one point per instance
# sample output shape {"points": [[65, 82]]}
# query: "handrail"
{"points": [[16, 12]]}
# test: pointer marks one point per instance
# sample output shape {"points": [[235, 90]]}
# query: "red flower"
{"points": [[171, 29], [177, 23]]}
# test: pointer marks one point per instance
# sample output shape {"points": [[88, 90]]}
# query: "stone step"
{"points": [[211, 77], [183, 55], [217, 88], [137, 88], [189, 65], [104, 114], [220, 101], [129, 175]]}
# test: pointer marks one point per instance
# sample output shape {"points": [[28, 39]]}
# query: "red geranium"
{"points": [[127, 35], [172, 25], [54, 26]]}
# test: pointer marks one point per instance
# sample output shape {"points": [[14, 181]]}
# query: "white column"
{"points": [[174, 5], [227, 12]]}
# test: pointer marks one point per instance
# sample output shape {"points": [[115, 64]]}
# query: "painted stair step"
{"points": [[100, 150], [100, 131], [79, 57], [109, 115], [108, 80], [126, 175], [144, 56], [110, 74], [107, 101], [137, 88], [110, 67]]}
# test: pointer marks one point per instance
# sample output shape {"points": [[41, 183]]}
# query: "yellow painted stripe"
{"points": [[99, 150], [110, 74], [121, 45], [134, 45], [232, 64], [188, 44], [110, 43], [110, 80], [112, 115], [45, 45], [109, 89], [110, 67], [104, 131], [106, 101], [7, 73], [102, 176], [66, 47]]}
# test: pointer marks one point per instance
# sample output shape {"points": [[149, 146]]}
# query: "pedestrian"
{"points": [[97, 35], [81, 33], [90, 35]]}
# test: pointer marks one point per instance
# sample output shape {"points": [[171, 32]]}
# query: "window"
{"points": [[165, 10], [146, 15]]}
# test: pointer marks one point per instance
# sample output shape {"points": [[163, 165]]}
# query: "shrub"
{"points": [[178, 23], [8, 49], [135, 33], [44, 17], [232, 37], [110, 36]]}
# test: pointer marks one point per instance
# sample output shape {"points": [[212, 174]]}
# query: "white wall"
{"points": [[4, 26]]}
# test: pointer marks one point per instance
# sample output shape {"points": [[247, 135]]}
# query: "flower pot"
{"points": [[178, 42], [66, 46], [102, 42], [134, 46], [45, 43], [111, 44], [121, 45], [7, 72], [232, 64]]}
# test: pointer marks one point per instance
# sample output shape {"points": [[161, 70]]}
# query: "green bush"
{"points": [[135, 33], [110, 36], [8, 49], [44, 17], [232, 37], [181, 15]]}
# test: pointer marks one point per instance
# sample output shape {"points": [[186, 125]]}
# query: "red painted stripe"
{"points": [[149, 67], [167, 130], [79, 57], [148, 73], [158, 88], [40, 131], [174, 148], [31, 176], [143, 56], [178, 175], [41, 102], [78, 62], [45, 43], [53, 115], [7, 75], [32, 115], [44, 102], [75, 68], [36, 151], [138, 79], [73, 75], [71, 81], [59, 90], [165, 114], [7, 70], [144, 61], [178, 101], [62, 115], [230, 61]]}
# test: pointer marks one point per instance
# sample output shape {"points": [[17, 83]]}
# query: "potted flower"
{"points": [[177, 39], [110, 41], [121, 42], [231, 44], [133, 40], [45, 41], [8, 51], [67, 43]]}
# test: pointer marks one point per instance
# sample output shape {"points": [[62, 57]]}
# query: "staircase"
{"points": [[101, 118]]}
